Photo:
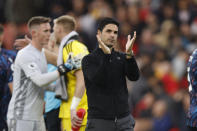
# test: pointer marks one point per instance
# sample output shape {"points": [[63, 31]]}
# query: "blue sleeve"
{"points": [[10, 77]]}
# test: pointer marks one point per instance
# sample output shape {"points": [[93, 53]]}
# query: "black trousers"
{"points": [[191, 128], [3, 125], [124, 124], [52, 120]]}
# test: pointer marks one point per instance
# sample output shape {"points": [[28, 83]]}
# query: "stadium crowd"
{"points": [[166, 36]]}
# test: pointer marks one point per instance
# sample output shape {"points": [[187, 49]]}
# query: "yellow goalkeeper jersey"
{"points": [[79, 50]]}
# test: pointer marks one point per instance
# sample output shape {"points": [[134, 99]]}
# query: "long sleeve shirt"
{"points": [[105, 79]]}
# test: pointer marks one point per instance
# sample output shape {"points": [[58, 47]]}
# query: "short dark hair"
{"points": [[105, 21], [37, 20], [1, 29]]}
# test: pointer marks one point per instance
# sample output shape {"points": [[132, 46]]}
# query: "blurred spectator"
{"points": [[147, 44], [78, 7], [152, 22], [179, 63], [144, 107], [185, 34], [164, 74], [140, 87], [167, 12], [121, 13], [161, 118], [184, 13], [57, 8], [162, 38], [194, 27]]}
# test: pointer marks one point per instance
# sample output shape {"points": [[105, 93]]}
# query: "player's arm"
{"points": [[21, 43], [43, 80], [32, 71], [80, 85], [79, 51], [79, 92]]}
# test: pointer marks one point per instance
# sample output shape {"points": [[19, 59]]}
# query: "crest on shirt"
{"points": [[32, 65]]}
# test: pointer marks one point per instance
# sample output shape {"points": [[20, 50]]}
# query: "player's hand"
{"points": [[130, 42], [72, 63], [75, 120], [51, 43], [66, 67], [105, 49], [69, 62], [21, 43]]}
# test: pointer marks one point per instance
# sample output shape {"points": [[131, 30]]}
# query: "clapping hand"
{"points": [[129, 44], [105, 49]]}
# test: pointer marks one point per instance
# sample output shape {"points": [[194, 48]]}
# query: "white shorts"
{"points": [[25, 125]]}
